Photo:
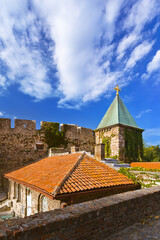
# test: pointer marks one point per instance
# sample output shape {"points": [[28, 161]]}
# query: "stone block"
{"points": [[100, 151], [22, 124]]}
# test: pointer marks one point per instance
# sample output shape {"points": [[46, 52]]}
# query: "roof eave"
{"points": [[40, 190], [96, 190], [118, 124]]}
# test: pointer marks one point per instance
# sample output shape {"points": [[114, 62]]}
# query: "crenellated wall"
{"points": [[81, 137], [24, 144], [18, 145]]}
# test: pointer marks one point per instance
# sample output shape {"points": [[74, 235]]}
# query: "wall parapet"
{"points": [[95, 219], [23, 144], [5, 124]]}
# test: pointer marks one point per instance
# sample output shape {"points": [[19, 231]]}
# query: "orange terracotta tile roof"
{"points": [[63, 174], [147, 165]]}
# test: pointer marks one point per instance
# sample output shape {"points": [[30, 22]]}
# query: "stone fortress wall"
{"points": [[24, 144]]}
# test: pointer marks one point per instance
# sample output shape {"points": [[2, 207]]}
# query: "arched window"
{"points": [[43, 204], [29, 202], [15, 190], [19, 193]]}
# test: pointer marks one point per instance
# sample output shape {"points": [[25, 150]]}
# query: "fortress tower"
{"points": [[120, 133]]}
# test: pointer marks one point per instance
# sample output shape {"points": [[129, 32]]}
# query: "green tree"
{"points": [[53, 137], [151, 153]]}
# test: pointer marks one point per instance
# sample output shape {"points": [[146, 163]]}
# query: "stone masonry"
{"points": [[19, 203], [24, 144], [19, 145], [80, 137], [96, 220], [116, 136]]}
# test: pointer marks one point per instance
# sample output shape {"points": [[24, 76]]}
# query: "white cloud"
{"points": [[142, 12], [153, 143], [125, 43], [138, 53], [154, 64], [75, 35], [3, 81], [127, 98], [112, 8], [143, 112], [85, 35], [24, 64], [152, 132], [156, 27], [5, 115]]}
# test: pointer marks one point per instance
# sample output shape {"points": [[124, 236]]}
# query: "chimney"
{"points": [[74, 149], [100, 151]]}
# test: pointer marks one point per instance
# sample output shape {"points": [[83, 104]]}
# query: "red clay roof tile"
{"points": [[147, 165], [67, 174]]}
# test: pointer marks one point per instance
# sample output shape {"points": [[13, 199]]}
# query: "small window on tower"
{"points": [[39, 146]]}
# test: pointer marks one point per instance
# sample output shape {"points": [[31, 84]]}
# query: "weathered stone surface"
{"points": [[80, 137], [97, 219], [100, 151], [19, 146], [148, 228], [114, 134], [19, 203], [117, 140]]}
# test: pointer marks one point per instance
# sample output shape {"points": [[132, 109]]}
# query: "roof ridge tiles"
{"points": [[58, 187]]}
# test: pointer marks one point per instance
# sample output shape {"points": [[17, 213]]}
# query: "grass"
{"points": [[144, 169], [139, 179]]}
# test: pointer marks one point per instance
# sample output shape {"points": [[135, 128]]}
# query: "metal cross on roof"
{"points": [[117, 89]]}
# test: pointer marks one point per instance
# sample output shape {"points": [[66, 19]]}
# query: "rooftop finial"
{"points": [[118, 90]]}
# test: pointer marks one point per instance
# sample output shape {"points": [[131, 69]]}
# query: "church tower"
{"points": [[120, 133]]}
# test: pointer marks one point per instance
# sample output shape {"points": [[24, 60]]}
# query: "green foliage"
{"points": [[136, 180], [156, 176], [107, 143], [144, 169], [52, 136], [133, 145], [151, 180], [127, 173], [113, 135], [115, 157], [151, 153]]}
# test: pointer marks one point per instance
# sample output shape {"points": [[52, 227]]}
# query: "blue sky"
{"points": [[60, 60]]}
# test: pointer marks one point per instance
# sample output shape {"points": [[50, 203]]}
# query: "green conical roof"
{"points": [[117, 113]]}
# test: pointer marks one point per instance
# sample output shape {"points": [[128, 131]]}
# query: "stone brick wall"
{"points": [[114, 134], [17, 196], [19, 205], [81, 137], [100, 151], [22, 144], [117, 141], [18, 145], [94, 220]]}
